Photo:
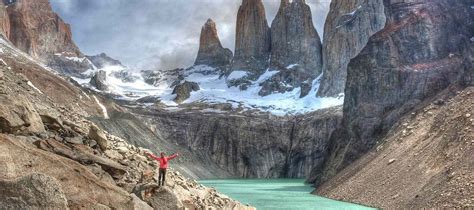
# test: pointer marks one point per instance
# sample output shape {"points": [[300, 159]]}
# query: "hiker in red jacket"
{"points": [[163, 165]]}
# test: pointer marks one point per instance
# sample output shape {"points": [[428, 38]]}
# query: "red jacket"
{"points": [[163, 160]]}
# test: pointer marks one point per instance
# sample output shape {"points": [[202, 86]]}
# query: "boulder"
{"points": [[164, 198], [17, 114], [99, 80], [139, 204], [183, 90], [36, 190], [99, 136], [211, 52]]}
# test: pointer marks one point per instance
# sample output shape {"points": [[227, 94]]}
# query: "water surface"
{"points": [[276, 194]]}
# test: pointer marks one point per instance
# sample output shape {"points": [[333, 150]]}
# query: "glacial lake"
{"points": [[276, 194]]}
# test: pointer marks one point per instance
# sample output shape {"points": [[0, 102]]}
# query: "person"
{"points": [[163, 160]]}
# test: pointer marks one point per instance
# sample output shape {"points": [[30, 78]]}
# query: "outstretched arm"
{"points": [[173, 156], [152, 156]]}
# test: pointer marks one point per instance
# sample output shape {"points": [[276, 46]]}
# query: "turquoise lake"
{"points": [[276, 194]]}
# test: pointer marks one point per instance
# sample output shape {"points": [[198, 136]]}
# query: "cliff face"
{"points": [[211, 52], [348, 27], [252, 44], [4, 21], [249, 146], [296, 48], [37, 30], [424, 47], [294, 38], [33, 27]]}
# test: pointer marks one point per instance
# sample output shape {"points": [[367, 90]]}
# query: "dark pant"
{"points": [[161, 176]]}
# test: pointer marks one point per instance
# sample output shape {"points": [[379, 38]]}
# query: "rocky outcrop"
{"points": [[348, 27], [252, 44], [183, 90], [34, 28], [37, 30], [32, 191], [295, 41], [252, 146], [296, 49], [99, 80], [410, 60], [211, 52]]}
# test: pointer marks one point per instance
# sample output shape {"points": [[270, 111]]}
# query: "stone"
{"points": [[164, 198], [112, 154], [32, 191], [391, 161], [139, 204], [348, 27], [253, 38], [99, 80], [18, 115], [99, 136], [74, 140], [183, 90], [211, 52], [305, 89]]}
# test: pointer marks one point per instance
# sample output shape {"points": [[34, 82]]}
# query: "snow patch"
{"points": [[104, 109], [235, 75], [214, 90], [34, 87], [292, 65]]}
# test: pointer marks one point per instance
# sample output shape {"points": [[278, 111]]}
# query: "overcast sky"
{"points": [[157, 33]]}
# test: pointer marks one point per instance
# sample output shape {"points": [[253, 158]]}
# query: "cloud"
{"points": [[160, 34]]}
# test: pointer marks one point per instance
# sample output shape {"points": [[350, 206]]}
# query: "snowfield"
{"points": [[214, 90]]}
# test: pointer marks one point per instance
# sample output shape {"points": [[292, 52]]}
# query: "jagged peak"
{"points": [[209, 24]]}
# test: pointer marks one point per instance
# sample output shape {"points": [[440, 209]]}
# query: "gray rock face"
{"points": [[211, 52], [183, 91], [411, 59], [99, 81], [251, 146], [294, 38], [252, 45], [348, 27], [32, 191], [65, 65], [295, 42], [102, 60]]}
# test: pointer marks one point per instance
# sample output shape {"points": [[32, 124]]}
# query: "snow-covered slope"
{"points": [[214, 89]]}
